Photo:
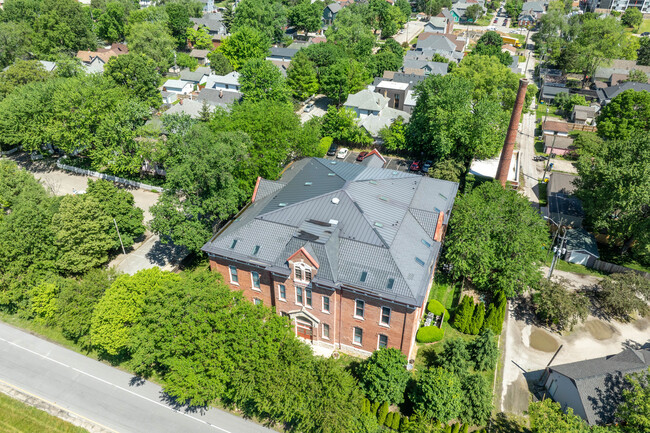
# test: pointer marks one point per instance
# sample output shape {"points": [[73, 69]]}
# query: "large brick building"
{"points": [[346, 251]]}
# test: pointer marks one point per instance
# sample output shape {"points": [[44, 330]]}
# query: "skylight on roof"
{"points": [[331, 174], [333, 162], [256, 250], [307, 183], [381, 197], [234, 243], [364, 275], [373, 182], [419, 261], [391, 281], [380, 225], [282, 204], [427, 244]]}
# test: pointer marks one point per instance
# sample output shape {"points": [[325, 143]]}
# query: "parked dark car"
{"points": [[362, 156], [332, 150], [540, 158], [415, 166], [645, 34], [426, 166]]}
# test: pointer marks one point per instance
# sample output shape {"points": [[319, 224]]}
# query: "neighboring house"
{"points": [[563, 207], [374, 159], [548, 92], [214, 23], [373, 110], [208, 6], [558, 145], [190, 107], [226, 82], [514, 64], [608, 93], [219, 97], [555, 127], [201, 56], [535, 7], [394, 91], [447, 45], [581, 247], [582, 115], [527, 19], [94, 61], [346, 251], [416, 66], [592, 388], [411, 79], [617, 5], [179, 87], [508, 48], [200, 76], [329, 14], [49, 66], [459, 10], [439, 24], [281, 54], [168, 97], [619, 69]]}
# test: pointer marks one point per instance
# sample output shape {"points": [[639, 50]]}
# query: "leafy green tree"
{"points": [[490, 45], [335, 81], [153, 40], [464, 313], [20, 73], [301, 76], [633, 410], [637, 76], [324, 55], [351, 32], [200, 38], [474, 12], [385, 60], [262, 80], [404, 6], [393, 136], [43, 299], [15, 41], [111, 23], [454, 356], [184, 60], [613, 187], [625, 116], [178, 21], [632, 17], [484, 351], [382, 413], [68, 67], [567, 102], [267, 17], [559, 307], [244, 44], [643, 53], [477, 399], [433, 7], [448, 169], [63, 26], [22, 10], [383, 376], [547, 416], [219, 64], [477, 319], [121, 307], [81, 234], [504, 253], [201, 189], [340, 124], [513, 8], [76, 303], [496, 313], [306, 16], [622, 295], [118, 204], [437, 394], [138, 73]]}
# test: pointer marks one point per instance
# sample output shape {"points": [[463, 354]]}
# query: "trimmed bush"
{"points": [[435, 307], [429, 334], [404, 424], [383, 412], [477, 319], [366, 405], [388, 422], [397, 418], [448, 429], [465, 428], [456, 428], [324, 145]]}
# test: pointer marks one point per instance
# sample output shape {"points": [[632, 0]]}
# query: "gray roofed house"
{"points": [[608, 93], [201, 56], [535, 7], [283, 54], [563, 206], [227, 82], [192, 107], [330, 11], [549, 92], [374, 110], [364, 231], [429, 67], [581, 247], [366, 102], [213, 22], [438, 24], [618, 67], [219, 97], [592, 388], [199, 76], [582, 115]]}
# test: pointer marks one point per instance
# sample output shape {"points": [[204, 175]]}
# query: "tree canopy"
{"points": [[383, 376], [262, 80], [244, 44], [625, 116]]}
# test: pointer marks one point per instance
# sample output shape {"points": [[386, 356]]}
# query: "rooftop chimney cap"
{"points": [[335, 200]]}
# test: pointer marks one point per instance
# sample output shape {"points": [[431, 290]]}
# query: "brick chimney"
{"points": [[511, 135]]}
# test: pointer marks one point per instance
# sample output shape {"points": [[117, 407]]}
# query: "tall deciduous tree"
{"points": [[63, 26], [20, 73], [153, 40], [111, 23], [643, 53], [219, 64], [634, 411], [625, 116], [559, 307], [632, 17], [178, 21], [138, 73], [623, 295], [306, 16], [15, 41], [244, 44], [351, 32], [267, 17], [81, 234], [437, 394], [301, 76], [261, 80], [496, 240], [547, 416], [383, 376], [614, 187]]}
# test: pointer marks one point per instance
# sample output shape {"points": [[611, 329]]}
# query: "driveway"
{"points": [[530, 170], [99, 397], [321, 102], [411, 30]]}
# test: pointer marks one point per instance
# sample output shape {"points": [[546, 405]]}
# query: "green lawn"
{"points": [[543, 199], [485, 20], [644, 27], [553, 111], [612, 254], [17, 417], [572, 267]]}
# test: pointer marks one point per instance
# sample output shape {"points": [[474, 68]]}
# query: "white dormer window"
{"points": [[302, 272]]}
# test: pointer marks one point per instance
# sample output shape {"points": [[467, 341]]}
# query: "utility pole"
{"points": [[119, 236], [561, 250], [548, 165]]}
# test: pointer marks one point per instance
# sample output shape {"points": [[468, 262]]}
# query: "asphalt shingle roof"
{"points": [[383, 223]]}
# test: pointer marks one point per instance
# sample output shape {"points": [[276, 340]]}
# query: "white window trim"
{"points": [[280, 298], [230, 274], [253, 281], [304, 293], [354, 328], [256, 300], [381, 315], [323, 331], [296, 295], [379, 338], [322, 305], [303, 267], [355, 309]]}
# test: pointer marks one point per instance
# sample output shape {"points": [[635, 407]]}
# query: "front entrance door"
{"points": [[304, 329]]}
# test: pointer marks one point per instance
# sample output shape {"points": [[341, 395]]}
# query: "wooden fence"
{"points": [[612, 268], [587, 128]]}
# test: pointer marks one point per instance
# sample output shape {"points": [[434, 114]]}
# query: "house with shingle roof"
{"points": [[345, 251], [94, 61], [592, 388]]}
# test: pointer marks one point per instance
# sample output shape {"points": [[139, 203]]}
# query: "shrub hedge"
{"points": [[434, 306], [429, 334]]}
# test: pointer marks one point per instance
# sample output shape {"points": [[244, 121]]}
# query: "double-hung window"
{"points": [[299, 295], [358, 336], [385, 316], [308, 297], [282, 292], [234, 278], [326, 304], [255, 278], [383, 341], [359, 308]]}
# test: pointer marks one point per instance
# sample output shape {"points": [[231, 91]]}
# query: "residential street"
{"points": [[102, 394]]}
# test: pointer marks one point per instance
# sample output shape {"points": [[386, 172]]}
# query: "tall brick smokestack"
{"points": [[511, 136]]}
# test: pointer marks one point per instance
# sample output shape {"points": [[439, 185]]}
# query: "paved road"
{"points": [[101, 393], [410, 31]]}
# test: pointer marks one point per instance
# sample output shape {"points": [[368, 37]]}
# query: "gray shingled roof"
{"points": [[597, 380], [382, 223]]}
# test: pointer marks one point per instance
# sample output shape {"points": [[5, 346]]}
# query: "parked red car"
{"points": [[362, 156], [415, 166]]}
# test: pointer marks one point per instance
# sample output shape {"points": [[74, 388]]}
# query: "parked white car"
{"points": [[342, 153]]}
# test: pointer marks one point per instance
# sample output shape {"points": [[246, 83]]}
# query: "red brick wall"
{"points": [[245, 280]]}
